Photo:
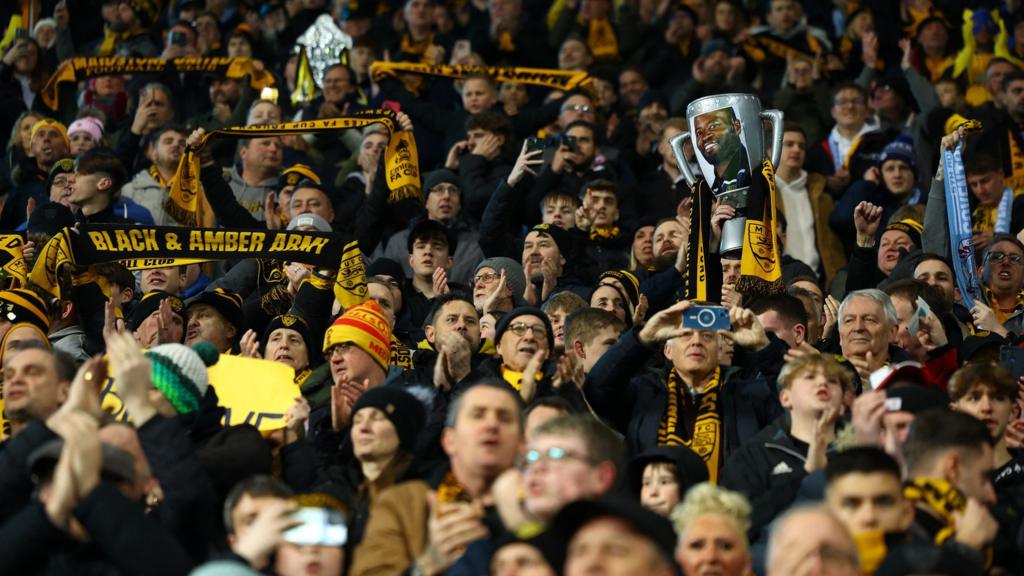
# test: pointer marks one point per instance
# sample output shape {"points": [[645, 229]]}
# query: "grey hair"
{"points": [[778, 526], [878, 296]]}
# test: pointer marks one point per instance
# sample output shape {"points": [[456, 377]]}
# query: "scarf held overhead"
{"points": [[185, 201], [142, 247], [77, 69], [958, 213], [550, 78]]}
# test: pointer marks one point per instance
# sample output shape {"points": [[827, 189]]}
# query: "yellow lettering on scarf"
{"points": [[226, 241]]}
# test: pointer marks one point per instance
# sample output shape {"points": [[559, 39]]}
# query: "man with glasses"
{"points": [[498, 285], [852, 115], [576, 107], [711, 409], [1002, 274], [569, 458], [525, 340], [358, 348]]}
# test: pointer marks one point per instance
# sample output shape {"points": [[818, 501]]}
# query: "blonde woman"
{"points": [[712, 525]]}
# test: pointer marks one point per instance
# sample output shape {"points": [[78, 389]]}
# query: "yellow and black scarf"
{"points": [[706, 438], [155, 173], [515, 379], [416, 47], [13, 268], [699, 284], [1001, 314], [760, 262], [142, 247], [602, 41], [941, 498], [1016, 160], [563, 80], [450, 490], [76, 69], [604, 233], [400, 354], [186, 201]]}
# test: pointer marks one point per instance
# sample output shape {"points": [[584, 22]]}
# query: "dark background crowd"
{"points": [[528, 387]]}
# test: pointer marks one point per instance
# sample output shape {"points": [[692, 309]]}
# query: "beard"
{"points": [[665, 261]]}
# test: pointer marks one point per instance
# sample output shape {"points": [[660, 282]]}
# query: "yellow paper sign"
{"points": [[252, 391]]}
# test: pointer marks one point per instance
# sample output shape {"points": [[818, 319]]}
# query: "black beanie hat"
{"points": [[386, 267], [405, 412], [292, 322], [507, 319], [150, 303]]}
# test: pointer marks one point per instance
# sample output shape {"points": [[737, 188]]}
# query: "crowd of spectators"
{"points": [[521, 392]]}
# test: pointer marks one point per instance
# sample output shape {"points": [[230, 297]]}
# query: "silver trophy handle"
{"points": [[684, 166], [775, 117]]}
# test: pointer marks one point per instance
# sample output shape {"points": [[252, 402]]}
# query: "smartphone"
{"points": [[707, 318], [319, 527], [461, 49], [570, 143], [1012, 358], [177, 38], [534, 143], [21, 33], [921, 312]]}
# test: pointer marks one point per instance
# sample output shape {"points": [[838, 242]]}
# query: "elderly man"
{"points": [[807, 535], [215, 316], [867, 328], [493, 294], [482, 437], [666, 409]]}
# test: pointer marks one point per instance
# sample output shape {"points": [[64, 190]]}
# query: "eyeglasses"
{"points": [[577, 108], [486, 278], [849, 101], [539, 331], [61, 181], [1001, 256], [342, 348], [553, 454]]}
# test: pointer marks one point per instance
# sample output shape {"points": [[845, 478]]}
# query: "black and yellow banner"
{"points": [[185, 201], [305, 87], [142, 247], [13, 269], [701, 286], [76, 69], [760, 263], [548, 77]]}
